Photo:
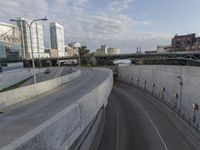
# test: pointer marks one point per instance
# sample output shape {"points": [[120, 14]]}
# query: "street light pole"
{"points": [[181, 90], [33, 61], [29, 26]]}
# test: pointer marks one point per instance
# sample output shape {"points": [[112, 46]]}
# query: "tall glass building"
{"points": [[10, 41], [37, 39], [57, 38]]}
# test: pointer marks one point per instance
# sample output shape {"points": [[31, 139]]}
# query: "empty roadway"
{"points": [[55, 72], [19, 119], [134, 121]]}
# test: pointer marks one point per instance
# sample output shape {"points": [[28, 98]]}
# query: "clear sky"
{"points": [[118, 23]]}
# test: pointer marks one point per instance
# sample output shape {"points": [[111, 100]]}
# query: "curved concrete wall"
{"points": [[168, 77], [61, 131], [9, 78], [21, 94]]}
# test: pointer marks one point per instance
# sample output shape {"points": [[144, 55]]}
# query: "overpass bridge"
{"points": [[186, 56], [101, 59]]}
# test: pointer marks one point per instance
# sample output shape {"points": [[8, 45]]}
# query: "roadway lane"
{"points": [[54, 73], [20, 118], [142, 124]]}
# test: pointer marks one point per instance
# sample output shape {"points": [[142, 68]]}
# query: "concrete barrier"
{"points": [[24, 93], [9, 78], [91, 103], [61, 131], [183, 81]]}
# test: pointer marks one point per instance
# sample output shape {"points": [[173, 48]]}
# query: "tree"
{"points": [[84, 55], [83, 51]]}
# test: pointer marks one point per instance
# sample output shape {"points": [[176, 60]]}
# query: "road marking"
{"points": [[157, 131], [153, 125]]}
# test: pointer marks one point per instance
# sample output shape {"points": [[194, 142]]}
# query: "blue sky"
{"points": [[118, 23], [170, 16]]}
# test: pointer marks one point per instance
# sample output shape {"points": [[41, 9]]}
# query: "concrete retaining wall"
{"points": [[168, 77], [9, 78], [20, 94], [61, 131], [17, 64], [87, 139]]}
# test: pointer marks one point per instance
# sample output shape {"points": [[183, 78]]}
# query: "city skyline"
{"points": [[125, 24]]}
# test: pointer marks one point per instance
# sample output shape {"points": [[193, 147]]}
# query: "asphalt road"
{"points": [[17, 120], [54, 73], [136, 122]]}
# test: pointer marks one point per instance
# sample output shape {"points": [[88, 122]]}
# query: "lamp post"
{"points": [[181, 90], [195, 107], [163, 93], [153, 87], [29, 26], [131, 81], [138, 80], [176, 99], [145, 84]]}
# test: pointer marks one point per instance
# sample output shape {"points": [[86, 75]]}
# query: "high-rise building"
{"points": [[57, 38], [37, 39], [10, 41]]}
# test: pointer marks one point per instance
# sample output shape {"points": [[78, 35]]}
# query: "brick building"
{"points": [[184, 42]]}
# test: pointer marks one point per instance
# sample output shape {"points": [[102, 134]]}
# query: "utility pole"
{"points": [[181, 90]]}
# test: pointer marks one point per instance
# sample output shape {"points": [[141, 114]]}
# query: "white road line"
{"points": [[157, 131], [153, 125]]}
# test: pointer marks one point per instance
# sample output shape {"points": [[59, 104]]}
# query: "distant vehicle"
{"points": [[47, 71]]}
